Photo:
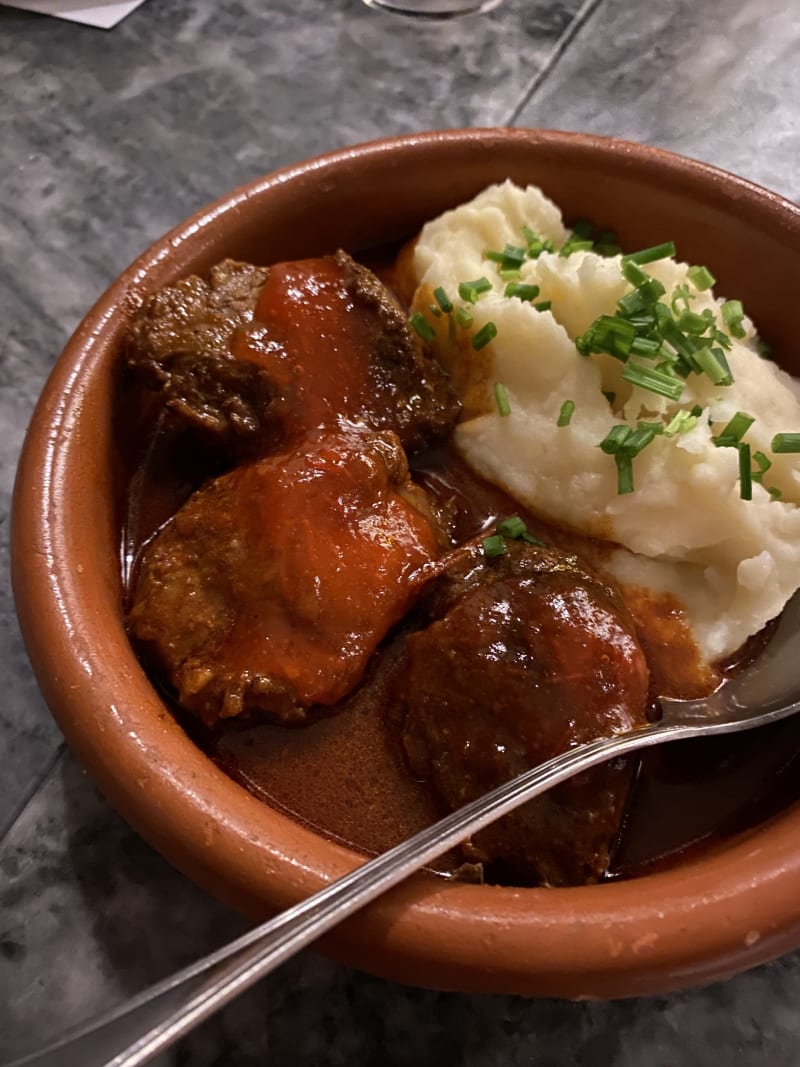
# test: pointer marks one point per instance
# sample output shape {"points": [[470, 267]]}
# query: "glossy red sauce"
{"points": [[316, 347]]}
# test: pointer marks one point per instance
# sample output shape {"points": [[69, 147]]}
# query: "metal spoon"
{"points": [[131, 1035]]}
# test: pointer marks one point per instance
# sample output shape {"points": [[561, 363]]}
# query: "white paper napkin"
{"points": [[101, 13]]}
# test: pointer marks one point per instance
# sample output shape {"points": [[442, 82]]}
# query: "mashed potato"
{"points": [[684, 528]]}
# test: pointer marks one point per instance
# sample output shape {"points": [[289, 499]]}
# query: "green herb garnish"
{"points": [[501, 399], [745, 472], [422, 327], [470, 291], [733, 317], [494, 546], [786, 442], [652, 254], [484, 335], [701, 278], [565, 415], [656, 381], [522, 292], [731, 434], [443, 300]]}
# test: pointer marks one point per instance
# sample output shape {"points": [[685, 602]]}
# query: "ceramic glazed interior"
{"points": [[702, 920]]}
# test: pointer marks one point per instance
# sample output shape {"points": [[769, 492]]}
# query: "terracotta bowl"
{"points": [[706, 918]]}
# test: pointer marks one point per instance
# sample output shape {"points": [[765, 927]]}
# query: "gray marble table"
{"points": [[106, 140]]}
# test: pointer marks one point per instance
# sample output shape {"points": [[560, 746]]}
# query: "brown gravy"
{"points": [[343, 773]]}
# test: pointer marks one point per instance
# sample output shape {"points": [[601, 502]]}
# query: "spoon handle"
{"points": [[153, 1021]]}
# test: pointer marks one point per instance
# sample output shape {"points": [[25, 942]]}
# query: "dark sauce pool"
{"points": [[343, 773]]}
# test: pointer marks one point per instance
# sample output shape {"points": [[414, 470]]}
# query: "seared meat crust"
{"points": [[179, 343], [411, 391]]}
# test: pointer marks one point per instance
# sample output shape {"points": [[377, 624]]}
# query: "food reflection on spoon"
{"points": [[311, 549]]}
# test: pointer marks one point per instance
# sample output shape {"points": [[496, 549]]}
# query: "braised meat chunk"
{"points": [[179, 343], [525, 656], [271, 587], [258, 355]]}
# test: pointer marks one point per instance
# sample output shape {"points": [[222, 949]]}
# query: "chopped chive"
{"points": [[674, 336], [614, 439], [643, 321], [763, 463], [745, 472], [692, 323], [722, 339], [634, 274], [484, 335], [774, 492], [654, 380], [463, 317], [672, 365], [523, 292], [713, 363], [624, 473], [513, 528], [641, 298], [514, 253], [722, 359], [624, 444], [637, 440], [735, 430], [511, 258], [610, 334], [564, 416], [510, 275], [536, 244], [543, 305], [470, 291], [786, 442], [652, 254], [681, 294], [494, 546], [657, 427], [443, 300], [435, 310], [501, 399], [645, 346], [573, 244], [681, 422], [422, 327], [763, 348], [701, 278], [733, 316]]}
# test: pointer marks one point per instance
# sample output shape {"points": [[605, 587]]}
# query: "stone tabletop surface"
{"points": [[107, 139]]}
